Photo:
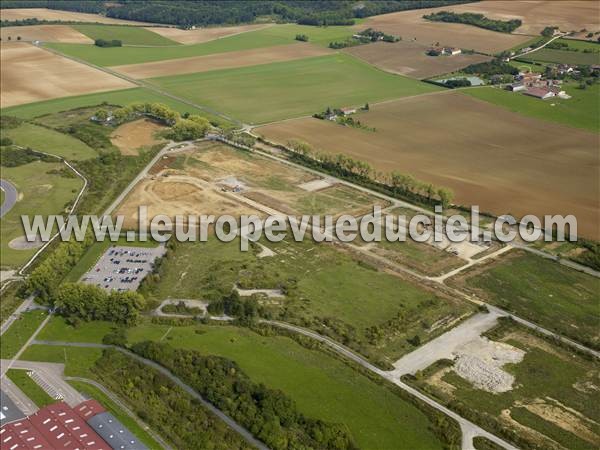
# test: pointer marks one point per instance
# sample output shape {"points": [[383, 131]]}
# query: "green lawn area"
{"points": [[95, 393], [321, 386], [40, 192], [57, 329], [126, 34], [78, 360], [547, 293], [580, 111], [29, 387], [49, 141], [580, 44], [121, 97], [563, 57], [265, 37], [283, 90], [19, 332], [10, 300]]}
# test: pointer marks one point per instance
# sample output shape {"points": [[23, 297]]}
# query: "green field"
{"points": [[19, 332], [121, 97], [30, 388], [283, 90], [552, 392], [547, 293], [323, 286], [563, 57], [10, 299], [57, 329], [321, 386], [126, 34], [78, 361], [580, 111], [266, 37], [95, 393], [49, 141], [40, 192]]}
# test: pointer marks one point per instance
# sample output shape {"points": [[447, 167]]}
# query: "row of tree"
{"points": [[269, 414], [478, 20], [89, 302], [399, 184]]}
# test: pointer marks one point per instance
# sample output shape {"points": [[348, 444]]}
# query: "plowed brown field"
{"points": [[222, 61], [45, 33], [499, 160], [409, 58], [30, 74]]}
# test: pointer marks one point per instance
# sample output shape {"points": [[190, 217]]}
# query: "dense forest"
{"points": [[186, 13], [478, 20]]}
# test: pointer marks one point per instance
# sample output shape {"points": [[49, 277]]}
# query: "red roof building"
{"points": [[55, 427], [89, 409]]}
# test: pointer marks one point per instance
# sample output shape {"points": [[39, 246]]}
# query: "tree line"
{"points": [[269, 414], [478, 20], [397, 183]]}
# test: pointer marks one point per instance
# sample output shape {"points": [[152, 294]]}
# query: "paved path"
{"points": [[117, 401], [468, 428], [51, 377], [10, 196], [191, 391], [21, 401], [445, 345]]}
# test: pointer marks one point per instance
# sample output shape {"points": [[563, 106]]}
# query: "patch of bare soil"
{"points": [[31, 74], [227, 60], [131, 136], [55, 14], [203, 34], [45, 33]]}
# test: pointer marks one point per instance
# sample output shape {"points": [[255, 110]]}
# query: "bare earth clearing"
{"points": [[45, 33], [51, 14], [202, 34], [222, 61], [501, 161], [130, 137], [567, 15], [411, 26], [30, 74], [409, 58]]}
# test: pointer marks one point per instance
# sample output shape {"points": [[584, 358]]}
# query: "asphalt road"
{"points": [[10, 197]]}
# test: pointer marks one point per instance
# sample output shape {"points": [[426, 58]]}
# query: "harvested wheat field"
{"points": [[228, 60], [132, 136], [203, 34], [55, 14], [30, 74], [45, 33], [536, 15], [411, 26], [499, 160], [409, 58]]}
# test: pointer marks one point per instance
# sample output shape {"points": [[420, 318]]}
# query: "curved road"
{"points": [[166, 372], [10, 196]]}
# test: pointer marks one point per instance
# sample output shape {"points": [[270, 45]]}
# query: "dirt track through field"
{"points": [[203, 34], [45, 33], [410, 59], [411, 26], [499, 160], [222, 61], [30, 74]]}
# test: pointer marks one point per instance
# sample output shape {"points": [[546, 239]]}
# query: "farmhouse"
{"points": [[347, 111], [542, 93], [516, 87], [451, 51]]}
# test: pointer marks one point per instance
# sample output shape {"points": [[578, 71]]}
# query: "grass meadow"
{"points": [[128, 35], [550, 55], [580, 111], [20, 331], [276, 91], [265, 37], [43, 190], [547, 293], [29, 387]]}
